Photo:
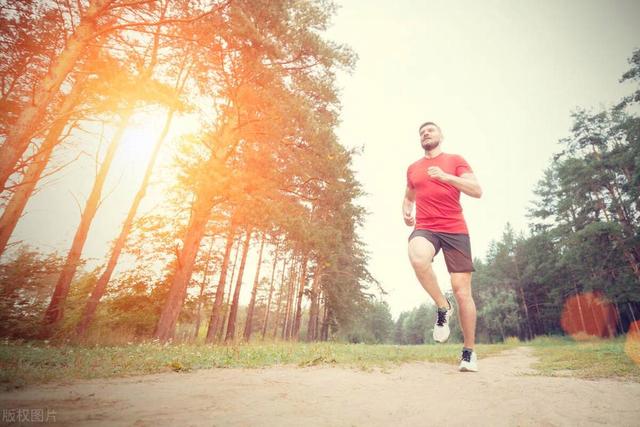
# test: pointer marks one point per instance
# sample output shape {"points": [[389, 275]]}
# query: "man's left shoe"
{"points": [[441, 329], [468, 361]]}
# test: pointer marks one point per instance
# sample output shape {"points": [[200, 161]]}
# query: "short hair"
{"points": [[428, 123]]}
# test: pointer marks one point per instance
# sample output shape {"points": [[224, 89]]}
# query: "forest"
{"points": [[254, 176], [264, 174]]}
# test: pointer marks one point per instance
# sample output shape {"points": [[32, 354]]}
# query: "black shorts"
{"points": [[456, 248]]}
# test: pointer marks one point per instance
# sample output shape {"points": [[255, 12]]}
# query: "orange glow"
{"points": [[588, 315], [632, 344]]}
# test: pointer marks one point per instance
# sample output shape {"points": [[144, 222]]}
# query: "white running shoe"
{"points": [[468, 361], [441, 328]]}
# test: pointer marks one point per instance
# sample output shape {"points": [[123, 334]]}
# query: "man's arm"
{"points": [[466, 183], [407, 206]]}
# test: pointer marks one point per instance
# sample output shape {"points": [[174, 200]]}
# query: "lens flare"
{"points": [[632, 344], [588, 315]]}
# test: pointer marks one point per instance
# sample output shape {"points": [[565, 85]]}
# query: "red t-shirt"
{"points": [[438, 203]]}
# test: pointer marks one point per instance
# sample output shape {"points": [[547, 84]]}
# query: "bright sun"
{"points": [[146, 128]]}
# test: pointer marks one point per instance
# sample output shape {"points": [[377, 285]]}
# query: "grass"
{"points": [[36, 362], [591, 358], [23, 363]]}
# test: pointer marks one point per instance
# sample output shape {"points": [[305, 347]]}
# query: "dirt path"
{"points": [[414, 394]]}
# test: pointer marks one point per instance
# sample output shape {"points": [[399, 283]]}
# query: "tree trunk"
{"points": [[265, 321], [313, 309], [298, 316], [280, 293], [233, 311], [256, 280], [629, 230], [233, 273], [286, 327], [215, 311], [539, 327], [200, 212], [225, 305], [32, 115], [633, 315], [524, 300], [619, 326], [501, 330], [55, 310], [324, 333], [203, 286], [101, 285]]}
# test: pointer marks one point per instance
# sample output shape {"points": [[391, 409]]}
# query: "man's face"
{"points": [[430, 137]]}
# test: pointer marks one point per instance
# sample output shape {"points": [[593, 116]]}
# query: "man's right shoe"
{"points": [[468, 361], [441, 329]]}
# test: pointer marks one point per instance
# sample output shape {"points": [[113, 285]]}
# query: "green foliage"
{"points": [[498, 314], [584, 235], [373, 325], [633, 74], [134, 303], [26, 284], [416, 326]]}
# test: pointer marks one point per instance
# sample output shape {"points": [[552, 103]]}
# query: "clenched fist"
{"points": [[408, 218], [437, 173]]}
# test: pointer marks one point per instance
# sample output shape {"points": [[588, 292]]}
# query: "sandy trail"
{"points": [[413, 394]]}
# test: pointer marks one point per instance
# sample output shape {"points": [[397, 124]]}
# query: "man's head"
{"points": [[430, 135]]}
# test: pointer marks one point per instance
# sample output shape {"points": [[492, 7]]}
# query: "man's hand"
{"points": [[439, 174], [407, 206], [408, 218]]}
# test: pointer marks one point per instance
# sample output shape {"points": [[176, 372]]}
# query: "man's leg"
{"points": [[461, 284], [421, 253]]}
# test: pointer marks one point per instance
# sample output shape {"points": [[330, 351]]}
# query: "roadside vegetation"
{"points": [[24, 363]]}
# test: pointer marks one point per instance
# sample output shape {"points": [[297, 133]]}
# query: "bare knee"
{"points": [[420, 261], [462, 294], [421, 253], [461, 284]]}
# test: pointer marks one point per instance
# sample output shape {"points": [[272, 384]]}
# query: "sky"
{"points": [[501, 78]]}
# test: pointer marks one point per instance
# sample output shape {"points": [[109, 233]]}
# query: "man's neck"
{"points": [[430, 154]]}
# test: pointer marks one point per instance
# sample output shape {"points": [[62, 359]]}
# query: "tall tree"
{"points": [[267, 310], [254, 290], [101, 284], [233, 310], [212, 330], [55, 311], [266, 62], [21, 194], [301, 287]]}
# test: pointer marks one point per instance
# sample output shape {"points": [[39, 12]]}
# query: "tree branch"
{"points": [[161, 22]]}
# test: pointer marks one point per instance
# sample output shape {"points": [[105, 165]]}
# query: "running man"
{"points": [[434, 184]]}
